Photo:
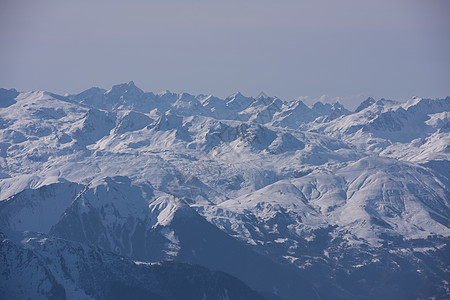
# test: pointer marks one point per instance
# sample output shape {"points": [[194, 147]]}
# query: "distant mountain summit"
{"points": [[365, 104]]}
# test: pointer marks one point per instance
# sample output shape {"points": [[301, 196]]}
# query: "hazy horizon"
{"points": [[344, 51]]}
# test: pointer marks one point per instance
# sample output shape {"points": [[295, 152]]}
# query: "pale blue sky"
{"points": [[348, 49]]}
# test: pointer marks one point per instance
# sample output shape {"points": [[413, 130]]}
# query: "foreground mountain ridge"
{"points": [[62, 269], [291, 199]]}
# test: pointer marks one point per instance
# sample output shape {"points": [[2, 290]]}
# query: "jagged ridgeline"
{"points": [[123, 193]]}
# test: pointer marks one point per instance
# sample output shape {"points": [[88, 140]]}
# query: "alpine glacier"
{"points": [[125, 193]]}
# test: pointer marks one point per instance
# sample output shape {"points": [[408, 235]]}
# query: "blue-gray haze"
{"points": [[352, 49]]}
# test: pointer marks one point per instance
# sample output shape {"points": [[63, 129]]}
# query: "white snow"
{"points": [[264, 170]]}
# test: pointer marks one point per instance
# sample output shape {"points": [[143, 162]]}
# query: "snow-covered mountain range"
{"points": [[293, 201]]}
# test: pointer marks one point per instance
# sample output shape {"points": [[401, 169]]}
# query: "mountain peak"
{"points": [[7, 97], [262, 95], [235, 95], [125, 87], [365, 104]]}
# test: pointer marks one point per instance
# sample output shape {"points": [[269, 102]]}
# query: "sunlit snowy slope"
{"points": [[294, 201]]}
